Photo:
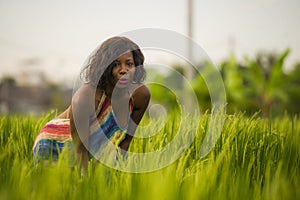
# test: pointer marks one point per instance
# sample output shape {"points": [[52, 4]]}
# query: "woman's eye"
{"points": [[130, 64], [116, 64]]}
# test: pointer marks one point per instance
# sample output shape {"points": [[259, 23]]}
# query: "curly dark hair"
{"points": [[98, 69]]}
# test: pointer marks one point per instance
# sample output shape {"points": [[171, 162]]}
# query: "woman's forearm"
{"points": [[126, 142], [84, 160]]}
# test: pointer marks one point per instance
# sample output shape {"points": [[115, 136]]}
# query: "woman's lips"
{"points": [[123, 81]]}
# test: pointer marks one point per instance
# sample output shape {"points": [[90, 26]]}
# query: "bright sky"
{"points": [[62, 33]]}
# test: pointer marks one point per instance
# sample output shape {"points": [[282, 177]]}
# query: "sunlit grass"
{"points": [[254, 158]]}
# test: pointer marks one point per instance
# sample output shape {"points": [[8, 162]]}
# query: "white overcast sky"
{"points": [[62, 33]]}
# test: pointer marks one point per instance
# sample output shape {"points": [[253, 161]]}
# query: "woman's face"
{"points": [[123, 70]]}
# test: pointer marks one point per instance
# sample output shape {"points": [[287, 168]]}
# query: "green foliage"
{"points": [[259, 84], [262, 85], [255, 158]]}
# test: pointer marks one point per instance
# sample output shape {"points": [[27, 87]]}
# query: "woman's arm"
{"points": [[81, 109], [141, 98]]}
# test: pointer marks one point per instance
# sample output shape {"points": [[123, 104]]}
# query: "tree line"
{"points": [[255, 85]]}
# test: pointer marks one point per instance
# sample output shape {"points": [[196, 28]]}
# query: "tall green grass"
{"points": [[254, 158]]}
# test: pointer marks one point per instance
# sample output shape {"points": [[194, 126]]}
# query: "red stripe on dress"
{"points": [[104, 106], [57, 129]]}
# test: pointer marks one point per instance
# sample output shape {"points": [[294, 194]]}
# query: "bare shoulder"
{"points": [[85, 92], [84, 97], [140, 94]]}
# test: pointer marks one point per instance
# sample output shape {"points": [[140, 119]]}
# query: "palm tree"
{"points": [[267, 81], [292, 87], [236, 90]]}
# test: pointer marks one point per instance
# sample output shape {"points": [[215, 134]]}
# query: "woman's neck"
{"points": [[115, 92]]}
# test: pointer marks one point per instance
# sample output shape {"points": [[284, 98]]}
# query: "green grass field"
{"points": [[254, 158]]}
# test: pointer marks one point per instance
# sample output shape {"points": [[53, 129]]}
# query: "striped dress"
{"points": [[104, 133]]}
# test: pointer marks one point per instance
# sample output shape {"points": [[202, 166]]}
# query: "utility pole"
{"points": [[189, 70]]}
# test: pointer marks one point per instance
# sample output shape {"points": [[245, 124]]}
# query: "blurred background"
{"points": [[254, 43]]}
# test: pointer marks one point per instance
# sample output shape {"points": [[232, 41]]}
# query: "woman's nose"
{"points": [[124, 68]]}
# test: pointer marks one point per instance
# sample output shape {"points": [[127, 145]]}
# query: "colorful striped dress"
{"points": [[56, 134]]}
